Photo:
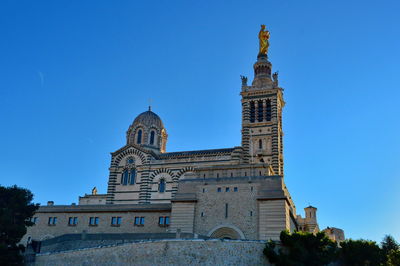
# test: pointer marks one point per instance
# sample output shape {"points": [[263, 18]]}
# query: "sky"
{"points": [[75, 74]]}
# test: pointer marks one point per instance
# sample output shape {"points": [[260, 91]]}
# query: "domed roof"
{"points": [[148, 119]]}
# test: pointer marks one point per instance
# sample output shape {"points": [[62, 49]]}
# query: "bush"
{"points": [[301, 248]]}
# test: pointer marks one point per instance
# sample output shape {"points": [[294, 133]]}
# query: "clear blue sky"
{"points": [[74, 75]]}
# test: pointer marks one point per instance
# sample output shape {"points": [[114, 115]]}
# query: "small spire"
{"points": [[150, 100], [149, 107]]}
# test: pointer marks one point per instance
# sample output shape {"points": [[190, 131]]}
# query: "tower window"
{"points": [[161, 186], [139, 137], [260, 111], [132, 177], [125, 177], [252, 112], [260, 146], [268, 110], [152, 138]]}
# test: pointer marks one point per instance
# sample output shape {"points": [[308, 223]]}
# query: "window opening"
{"points": [[260, 111], [139, 221], [161, 186], [116, 221], [139, 137], [72, 221], [124, 178], [252, 112], [268, 110], [52, 221], [132, 177], [94, 221], [151, 137], [163, 221]]}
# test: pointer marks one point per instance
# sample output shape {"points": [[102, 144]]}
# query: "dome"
{"points": [[148, 119], [147, 131]]}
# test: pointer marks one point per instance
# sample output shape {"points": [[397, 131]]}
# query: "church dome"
{"points": [[147, 130], [148, 119]]}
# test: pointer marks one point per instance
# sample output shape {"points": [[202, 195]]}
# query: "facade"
{"points": [[236, 193]]}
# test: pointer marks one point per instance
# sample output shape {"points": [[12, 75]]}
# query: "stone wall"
{"points": [[164, 252], [235, 206], [42, 230]]}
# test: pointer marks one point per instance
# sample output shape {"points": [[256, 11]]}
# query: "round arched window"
{"points": [[152, 137], [139, 137], [161, 186]]}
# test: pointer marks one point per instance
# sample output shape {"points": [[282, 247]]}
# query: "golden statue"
{"points": [[263, 36], [94, 191]]}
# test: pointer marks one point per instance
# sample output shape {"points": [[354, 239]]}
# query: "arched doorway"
{"points": [[226, 232]]}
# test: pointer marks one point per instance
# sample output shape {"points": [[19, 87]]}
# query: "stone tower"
{"points": [[262, 103]]}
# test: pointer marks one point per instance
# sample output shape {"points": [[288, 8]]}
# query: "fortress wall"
{"points": [[164, 252]]}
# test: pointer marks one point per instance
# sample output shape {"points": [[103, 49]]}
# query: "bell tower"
{"points": [[262, 104]]}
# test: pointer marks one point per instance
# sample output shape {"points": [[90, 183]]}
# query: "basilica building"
{"points": [[234, 193]]}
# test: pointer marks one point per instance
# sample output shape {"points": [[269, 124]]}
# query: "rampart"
{"points": [[163, 252]]}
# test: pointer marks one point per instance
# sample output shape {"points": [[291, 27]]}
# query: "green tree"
{"points": [[390, 251], [393, 258], [360, 253], [388, 245], [16, 208], [301, 248]]}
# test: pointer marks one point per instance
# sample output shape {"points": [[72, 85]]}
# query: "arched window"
{"points": [[151, 137], [132, 177], [139, 137], [252, 112], [268, 110], [161, 186], [260, 117], [124, 178], [260, 146]]}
